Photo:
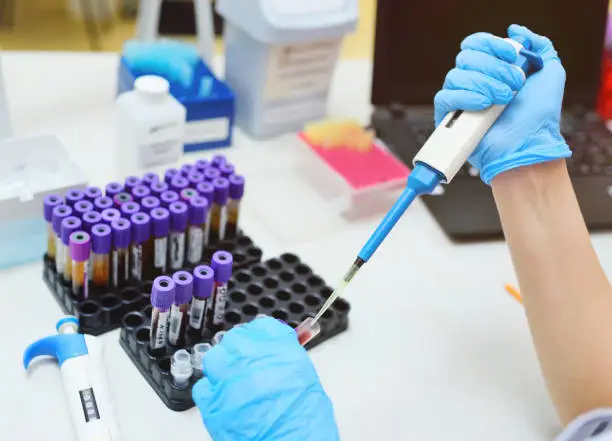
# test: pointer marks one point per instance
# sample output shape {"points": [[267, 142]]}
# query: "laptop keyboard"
{"points": [[585, 132]]}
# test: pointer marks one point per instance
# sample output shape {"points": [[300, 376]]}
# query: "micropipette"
{"points": [[438, 161]]}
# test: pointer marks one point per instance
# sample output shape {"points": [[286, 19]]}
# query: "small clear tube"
{"points": [[218, 215], [198, 354], [181, 368], [217, 338], [307, 330], [80, 244], [198, 214], [236, 191]]}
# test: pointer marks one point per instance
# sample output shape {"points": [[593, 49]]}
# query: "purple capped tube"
{"points": [[58, 214], [140, 191], [131, 182], [129, 208], [162, 296], [170, 174], [179, 183], [73, 196], [120, 260], [50, 202], [221, 263], [168, 197], [149, 203], [187, 193], [179, 215], [183, 292], [150, 178], [198, 229], [82, 207], [194, 178], [80, 248], [210, 174], [236, 191], [101, 245], [90, 219], [142, 246], [226, 170], [218, 210], [201, 305], [201, 165], [160, 228], [112, 188], [122, 198], [110, 214], [186, 169], [157, 188], [218, 160], [92, 193], [70, 224], [102, 203]]}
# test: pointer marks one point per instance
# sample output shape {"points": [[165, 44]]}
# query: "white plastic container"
{"points": [[150, 126], [280, 56]]}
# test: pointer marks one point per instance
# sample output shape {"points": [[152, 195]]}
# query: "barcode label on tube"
{"points": [[196, 313]]}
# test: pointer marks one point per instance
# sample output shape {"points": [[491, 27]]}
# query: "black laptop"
{"points": [[416, 45]]}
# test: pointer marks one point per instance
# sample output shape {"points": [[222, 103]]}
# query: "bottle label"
{"points": [[154, 153], [137, 262], [196, 314], [220, 302], [176, 317], [161, 250], [195, 245], [177, 250]]}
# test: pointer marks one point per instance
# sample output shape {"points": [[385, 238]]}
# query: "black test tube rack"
{"points": [[284, 288]]}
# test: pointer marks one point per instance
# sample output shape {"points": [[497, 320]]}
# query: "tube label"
{"points": [[220, 302], [176, 318], [196, 314], [137, 261], [59, 255], [195, 244], [159, 328], [161, 251], [177, 249]]}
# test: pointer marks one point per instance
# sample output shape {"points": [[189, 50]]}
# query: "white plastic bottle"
{"points": [[150, 126]]}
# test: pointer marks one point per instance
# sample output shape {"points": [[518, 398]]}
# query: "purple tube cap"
{"points": [[51, 201], [187, 168], [221, 263], [101, 239], [162, 293], [158, 188], [178, 183], [129, 208], [112, 188], [83, 207], [140, 191], [170, 174], [188, 193], [91, 193], [201, 165], [103, 202], [150, 178], [149, 203], [195, 177], [60, 212], [226, 169], [90, 219], [167, 197], [210, 174], [179, 215], [141, 227], [110, 214], [74, 195], [236, 186], [206, 190], [80, 246], [221, 191], [121, 233], [204, 280], [132, 181], [183, 291], [217, 160], [198, 207], [122, 198], [70, 224], [160, 222]]}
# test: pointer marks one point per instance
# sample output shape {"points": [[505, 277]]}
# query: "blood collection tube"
{"points": [[218, 210], [178, 226], [149, 203], [140, 191], [221, 263], [187, 193], [129, 208], [110, 215], [157, 188], [217, 160], [179, 183], [112, 188], [160, 227], [50, 202], [198, 229], [82, 207], [60, 212], [102, 203], [79, 250], [170, 174], [183, 292], [206, 190], [150, 178], [131, 182], [122, 198], [168, 197], [181, 368], [236, 191], [201, 165], [73, 196], [101, 244], [142, 247], [194, 178], [210, 174], [69, 226], [201, 304], [120, 261], [90, 219], [186, 169], [92, 193], [226, 169], [161, 299]]}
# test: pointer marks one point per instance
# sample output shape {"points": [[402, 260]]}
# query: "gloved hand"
{"points": [[173, 60], [260, 385], [528, 131]]}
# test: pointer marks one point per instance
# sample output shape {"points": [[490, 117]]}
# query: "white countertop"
{"points": [[435, 350]]}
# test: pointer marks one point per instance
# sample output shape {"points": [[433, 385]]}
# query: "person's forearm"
{"points": [[565, 291]]}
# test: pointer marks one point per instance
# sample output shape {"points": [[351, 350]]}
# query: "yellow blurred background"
{"points": [[48, 25]]}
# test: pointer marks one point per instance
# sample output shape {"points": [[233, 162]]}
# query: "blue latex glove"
{"points": [[173, 60], [528, 130], [260, 385]]}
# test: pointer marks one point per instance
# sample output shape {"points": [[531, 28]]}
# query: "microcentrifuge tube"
{"points": [[181, 368], [60, 212], [178, 227], [50, 202], [198, 354], [218, 210], [221, 263], [198, 227], [101, 245], [183, 292], [217, 338], [160, 227], [201, 304], [307, 330], [79, 250], [141, 259], [120, 261], [236, 191], [161, 299], [69, 226]]}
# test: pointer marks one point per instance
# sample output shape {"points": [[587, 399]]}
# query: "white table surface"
{"points": [[436, 349]]}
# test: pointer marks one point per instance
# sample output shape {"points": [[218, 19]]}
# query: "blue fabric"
{"points": [[260, 385], [528, 130]]}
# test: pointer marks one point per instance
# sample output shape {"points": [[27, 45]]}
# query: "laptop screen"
{"points": [[417, 42]]}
